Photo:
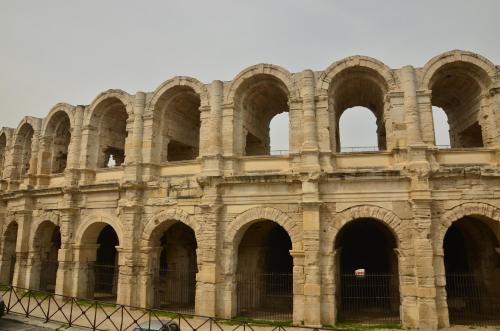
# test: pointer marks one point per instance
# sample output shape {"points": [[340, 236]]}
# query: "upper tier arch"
{"points": [[197, 86], [272, 70], [59, 107], [325, 80], [476, 60]]}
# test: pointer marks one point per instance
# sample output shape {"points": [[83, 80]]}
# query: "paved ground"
{"points": [[6, 324]]}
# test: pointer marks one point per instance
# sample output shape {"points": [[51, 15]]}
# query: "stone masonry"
{"points": [[199, 154]]}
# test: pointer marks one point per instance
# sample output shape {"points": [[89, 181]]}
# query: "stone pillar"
{"points": [[134, 147], [33, 171], [129, 250], [68, 218], [311, 241], [212, 161], [149, 257], [310, 145], [44, 161], [33, 270], [74, 148], [487, 118], [411, 105], [127, 280], [207, 278], [83, 283], [424, 262], [88, 155], [151, 144], [22, 247], [298, 275]]}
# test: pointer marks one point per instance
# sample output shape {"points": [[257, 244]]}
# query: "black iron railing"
{"points": [[369, 299], [265, 296], [96, 315], [469, 302], [175, 290]]}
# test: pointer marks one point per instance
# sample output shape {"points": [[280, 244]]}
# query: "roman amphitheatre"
{"points": [[174, 199]]}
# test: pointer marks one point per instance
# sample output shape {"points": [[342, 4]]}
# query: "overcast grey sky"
{"points": [[53, 51]]}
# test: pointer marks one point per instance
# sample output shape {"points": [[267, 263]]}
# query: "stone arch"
{"points": [[94, 219], [477, 209], [38, 220], [244, 220], [108, 120], [34, 122], [387, 217], [169, 216], [5, 143], [59, 107], [437, 62], [197, 86], [9, 134], [357, 81], [272, 70], [328, 76], [175, 109], [120, 95]]}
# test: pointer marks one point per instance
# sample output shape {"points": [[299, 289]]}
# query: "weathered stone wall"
{"points": [[414, 189]]}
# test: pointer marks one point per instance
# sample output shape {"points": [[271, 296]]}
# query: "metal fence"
{"points": [[104, 280], [469, 303], [96, 315], [175, 290], [266, 296], [369, 299], [48, 275]]}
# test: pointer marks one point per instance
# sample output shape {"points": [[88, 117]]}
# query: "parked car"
{"points": [[158, 326]]}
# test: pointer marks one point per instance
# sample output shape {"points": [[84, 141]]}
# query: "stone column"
{"points": [[298, 275], [487, 119], [33, 171], [134, 147], [22, 247], [425, 287], [128, 252], [310, 161], [88, 155], [411, 106], [33, 270], [151, 144], [69, 217], [44, 161], [149, 257], [83, 282], [74, 148], [212, 164], [311, 241]]}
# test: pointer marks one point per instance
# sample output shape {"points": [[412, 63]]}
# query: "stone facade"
{"points": [[198, 154]]}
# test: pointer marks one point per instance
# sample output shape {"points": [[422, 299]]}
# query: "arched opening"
{"points": [[58, 137], [441, 127], [22, 148], [99, 272], [110, 119], [106, 265], [358, 130], [457, 88], [472, 267], [367, 273], [9, 254], [258, 101], [278, 134], [46, 245], [3, 149], [180, 122], [175, 269], [359, 87], [264, 273]]}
